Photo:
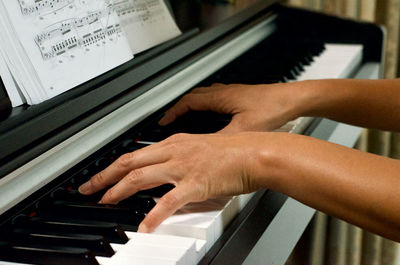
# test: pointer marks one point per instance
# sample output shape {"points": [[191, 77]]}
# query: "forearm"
{"points": [[366, 103], [358, 187]]}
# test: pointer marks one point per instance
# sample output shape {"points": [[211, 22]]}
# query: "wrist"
{"points": [[309, 97], [321, 98], [268, 165]]}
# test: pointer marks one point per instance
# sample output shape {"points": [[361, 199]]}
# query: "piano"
{"points": [[47, 150]]}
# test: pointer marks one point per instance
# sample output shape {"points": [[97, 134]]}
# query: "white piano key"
{"points": [[127, 260], [166, 240], [117, 247], [222, 212], [336, 61], [200, 249], [244, 199], [192, 225], [146, 251]]}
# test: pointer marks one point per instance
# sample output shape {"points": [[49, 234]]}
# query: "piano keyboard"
{"points": [[64, 227]]}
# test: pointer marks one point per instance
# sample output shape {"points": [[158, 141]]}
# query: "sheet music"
{"points": [[146, 22], [13, 92], [69, 41]]}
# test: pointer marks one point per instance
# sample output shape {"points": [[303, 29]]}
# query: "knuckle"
{"points": [[124, 160], [178, 137], [109, 196], [99, 179], [134, 177], [188, 97]]}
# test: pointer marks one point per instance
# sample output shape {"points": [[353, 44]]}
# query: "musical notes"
{"points": [[77, 33], [146, 22], [40, 7], [55, 45]]}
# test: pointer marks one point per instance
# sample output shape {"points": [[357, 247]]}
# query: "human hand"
{"points": [[254, 107], [200, 167]]}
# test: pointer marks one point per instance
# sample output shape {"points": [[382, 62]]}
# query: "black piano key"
{"points": [[102, 163], [98, 245], [158, 191], [51, 255], [156, 134], [73, 195], [141, 202], [94, 211], [81, 177], [131, 145], [110, 231], [144, 202]]}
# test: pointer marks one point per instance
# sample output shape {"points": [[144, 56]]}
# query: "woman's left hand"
{"points": [[200, 167]]}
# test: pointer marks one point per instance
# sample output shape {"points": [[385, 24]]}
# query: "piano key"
{"points": [[73, 195], [192, 225], [81, 177], [123, 215], [131, 145], [157, 192], [143, 202], [127, 260], [200, 249], [166, 252], [336, 61], [45, 255], [219, 209], [110, 231], [96, 244], [162, 240]]}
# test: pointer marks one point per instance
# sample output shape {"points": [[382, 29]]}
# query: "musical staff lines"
{"points": [[138, 10], [40, 7], [83, 32]]}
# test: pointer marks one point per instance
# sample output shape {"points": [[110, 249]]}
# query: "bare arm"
{"points": [[367, 103], [358, 187]]}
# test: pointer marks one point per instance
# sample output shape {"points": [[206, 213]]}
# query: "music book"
{"points": [[48, 47]]}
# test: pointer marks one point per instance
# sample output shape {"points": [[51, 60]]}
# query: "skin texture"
{"points": [[358, 187]]}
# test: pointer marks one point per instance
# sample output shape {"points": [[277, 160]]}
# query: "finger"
{"points": [[122, 166], [166, 206], [198, 101], [138, 179]]}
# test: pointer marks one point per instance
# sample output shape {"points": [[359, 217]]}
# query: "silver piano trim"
{"points": [[32, 176]]}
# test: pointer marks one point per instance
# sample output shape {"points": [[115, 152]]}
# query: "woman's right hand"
{"points": [[254, 107]]}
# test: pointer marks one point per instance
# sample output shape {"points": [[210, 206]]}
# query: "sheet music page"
{"points": [[17, 62], [12, 90], [69, 41], [146, 22]]}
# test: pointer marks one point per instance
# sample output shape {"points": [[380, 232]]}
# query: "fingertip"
{"points": [[143, 228], [85, 188], [165, 120]]}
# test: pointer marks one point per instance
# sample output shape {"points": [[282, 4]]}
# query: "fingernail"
{"points": [[85, 188], [143, 229]]}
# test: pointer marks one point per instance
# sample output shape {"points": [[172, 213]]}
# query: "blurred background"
{"points": [[329, 240]]}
